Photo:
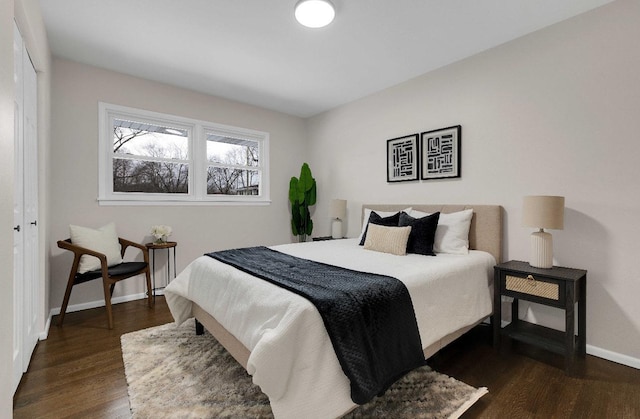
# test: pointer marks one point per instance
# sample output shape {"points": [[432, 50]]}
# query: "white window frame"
{"points": [[197, 160]]}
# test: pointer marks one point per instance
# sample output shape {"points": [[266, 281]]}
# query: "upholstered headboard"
{"points": [[486, 225]]}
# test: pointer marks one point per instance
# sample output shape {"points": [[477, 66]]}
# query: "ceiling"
{"points": [[253, 51]]}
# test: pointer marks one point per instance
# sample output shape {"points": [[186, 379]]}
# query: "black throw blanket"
{"points": [[368, 317]]}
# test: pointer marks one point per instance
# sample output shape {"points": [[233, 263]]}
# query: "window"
{"points": [[232, 165], [147, 157]]}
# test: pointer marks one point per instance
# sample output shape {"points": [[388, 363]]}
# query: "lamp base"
{"points": [[541, 255], [336, 229]]}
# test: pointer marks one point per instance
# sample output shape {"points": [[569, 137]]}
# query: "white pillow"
{"points": [[383, 214], [387, 239], [103, 240], [452, 234]]}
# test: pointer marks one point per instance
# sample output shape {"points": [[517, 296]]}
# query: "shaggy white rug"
{"points": [[173, 373]]}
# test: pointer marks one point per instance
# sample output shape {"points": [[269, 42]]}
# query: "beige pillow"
{"points": [[387, 239], [103, 240]]}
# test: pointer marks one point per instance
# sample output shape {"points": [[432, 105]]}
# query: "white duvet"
{"points": [[292, 359]]}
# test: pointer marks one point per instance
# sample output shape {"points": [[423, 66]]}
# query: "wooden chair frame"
{"points": [[108, 280]]}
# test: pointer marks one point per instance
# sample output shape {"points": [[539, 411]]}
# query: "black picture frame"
{"points": [[403, 158], [441, 153]]}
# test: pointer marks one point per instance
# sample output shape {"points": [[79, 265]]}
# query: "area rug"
{"points": [[173, 373]]}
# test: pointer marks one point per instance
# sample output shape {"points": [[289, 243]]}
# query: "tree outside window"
{"points": [[233, 166], [149, 158]]}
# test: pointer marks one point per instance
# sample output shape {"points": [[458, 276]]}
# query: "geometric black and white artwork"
{"points": [[441, 153], [402, 158]]}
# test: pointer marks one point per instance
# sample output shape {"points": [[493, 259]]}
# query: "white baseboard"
{"points": [[613, 356], [44, 334], [98, 303], [92, 304]]}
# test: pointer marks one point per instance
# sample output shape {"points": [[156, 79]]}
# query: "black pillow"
{"points": [[390, 221], [423, 232]]}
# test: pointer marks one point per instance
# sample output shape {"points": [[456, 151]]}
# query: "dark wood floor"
{"points": [[524, 382], [78, 372]]}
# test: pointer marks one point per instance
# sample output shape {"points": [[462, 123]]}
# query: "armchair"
{"points": [[110, 274]]}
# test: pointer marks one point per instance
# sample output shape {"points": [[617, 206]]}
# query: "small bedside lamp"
{"points": [[542, 212], [338, 213]]}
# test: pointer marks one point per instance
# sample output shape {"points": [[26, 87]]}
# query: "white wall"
{"points": [[555, 112], [77, 89]]}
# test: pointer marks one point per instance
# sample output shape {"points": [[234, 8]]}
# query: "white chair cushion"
{"points": [[103, 240]]}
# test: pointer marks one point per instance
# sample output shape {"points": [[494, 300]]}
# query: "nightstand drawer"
{"points": [[533, 286], [530, 285]]}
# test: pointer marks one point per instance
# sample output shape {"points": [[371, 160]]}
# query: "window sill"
{"points": [[163, 203]]}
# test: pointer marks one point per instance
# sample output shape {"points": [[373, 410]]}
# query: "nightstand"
{"points": [[556, 287], [152, 252]]}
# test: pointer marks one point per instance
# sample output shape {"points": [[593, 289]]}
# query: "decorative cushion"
{"points": [[367, 214], [103, 240], [423, 231], [452, 234], [387, 239], [123, 268], [375, 218]]}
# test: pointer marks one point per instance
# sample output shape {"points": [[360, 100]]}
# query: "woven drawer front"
{"points": [[532, 287]]}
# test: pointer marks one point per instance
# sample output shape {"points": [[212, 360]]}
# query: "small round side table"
{"points": [[152, 247]]}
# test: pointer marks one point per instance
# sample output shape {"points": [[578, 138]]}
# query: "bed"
{"points": [[279, 337]]}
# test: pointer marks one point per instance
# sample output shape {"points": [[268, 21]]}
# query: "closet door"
{"points": [[25, 233], [31, 289], [18, 210]]}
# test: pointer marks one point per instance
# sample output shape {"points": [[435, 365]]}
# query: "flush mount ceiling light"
{"points": [[314, 13]]}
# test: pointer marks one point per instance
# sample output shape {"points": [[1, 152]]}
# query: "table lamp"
{"points": [[542, 212], [338, 213]]}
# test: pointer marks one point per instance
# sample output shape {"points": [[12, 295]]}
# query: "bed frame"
{"points": [[485, 234]]}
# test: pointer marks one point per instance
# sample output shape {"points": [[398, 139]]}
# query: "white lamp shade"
{"points": [[339, 208], [543, 212], [314, 13]]}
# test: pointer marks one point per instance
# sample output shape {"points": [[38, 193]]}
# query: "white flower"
{"points": [[161, 232]]}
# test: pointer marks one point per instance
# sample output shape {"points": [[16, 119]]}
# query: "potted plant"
{"points": [[302, 195]]}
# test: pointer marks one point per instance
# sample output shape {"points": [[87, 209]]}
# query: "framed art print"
{"points": [[440, 153], [402, 158]]}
